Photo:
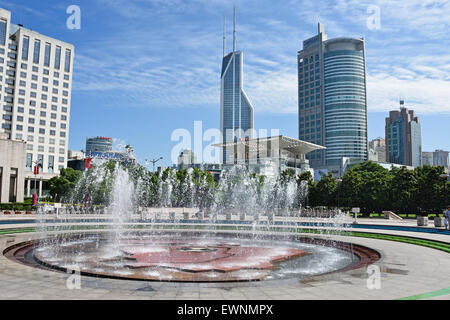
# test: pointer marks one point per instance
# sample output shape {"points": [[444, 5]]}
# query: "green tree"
{"points": [[403, 188], [62, 187], [324, 192], [430, 196]]}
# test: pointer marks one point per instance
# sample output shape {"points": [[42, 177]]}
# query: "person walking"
{"points": [[447, 218]]}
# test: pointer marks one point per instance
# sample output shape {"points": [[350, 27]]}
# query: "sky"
{"points": [[144, 68]]}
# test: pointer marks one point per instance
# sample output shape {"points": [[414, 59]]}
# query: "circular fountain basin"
{"points": [[195, 257]]}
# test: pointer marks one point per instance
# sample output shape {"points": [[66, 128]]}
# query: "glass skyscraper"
{"points": [[236, 111], [332, 98], [403, 137]]}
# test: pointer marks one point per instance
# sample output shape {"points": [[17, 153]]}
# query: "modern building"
{"points": [[403, 137], [377, 149], [12, 167], [186, 159], [441, 158], [236, 111], [270, 156], [427, 158], [98, 144], [36, 78], [332, 98]]}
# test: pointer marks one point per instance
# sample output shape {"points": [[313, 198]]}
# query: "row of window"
{"points": [[62, 134], [40, 161], [47, 54], [305, 60], [9, 108], [30, 147], [33, 102]]}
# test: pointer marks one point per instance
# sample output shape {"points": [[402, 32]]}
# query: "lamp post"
{"points": [[152, 161], [338, 193], [444, 178], [37, 164]]}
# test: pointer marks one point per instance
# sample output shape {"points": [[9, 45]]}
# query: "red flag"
{"points": [[36, 169], [88, 163]]}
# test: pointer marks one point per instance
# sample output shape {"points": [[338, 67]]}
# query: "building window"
{"points": [[3, 35], [30, 120], [29, 162], [51, 164], [47, 55], [67, 61], [25, 44], [57, 57]]}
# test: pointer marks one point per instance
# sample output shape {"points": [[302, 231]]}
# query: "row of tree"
{"points": [[368, 186]]}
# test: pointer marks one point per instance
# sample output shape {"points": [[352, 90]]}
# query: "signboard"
{"points": [[355, 210]]}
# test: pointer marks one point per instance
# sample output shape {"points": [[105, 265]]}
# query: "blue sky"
{"points": [[145, 68]]}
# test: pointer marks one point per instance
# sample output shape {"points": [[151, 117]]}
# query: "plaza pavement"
{"points": [[406, 271]]}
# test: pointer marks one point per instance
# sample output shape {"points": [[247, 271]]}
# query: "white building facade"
{"points": [[36, 81]]}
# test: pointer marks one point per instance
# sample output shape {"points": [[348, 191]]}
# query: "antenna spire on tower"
{"points": [[224, 32], [234, 29]]}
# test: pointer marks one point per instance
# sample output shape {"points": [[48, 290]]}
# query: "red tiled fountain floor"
{"points": [[198, 258]]}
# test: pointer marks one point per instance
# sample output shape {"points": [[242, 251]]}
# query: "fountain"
{"points": [[236, 233]]}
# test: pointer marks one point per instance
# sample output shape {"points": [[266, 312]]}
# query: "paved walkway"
{"points": [[407, 271]]}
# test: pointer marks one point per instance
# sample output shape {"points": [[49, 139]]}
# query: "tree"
{"points": [[61, 187], [324, 192], [403, 188], [430, 190]]}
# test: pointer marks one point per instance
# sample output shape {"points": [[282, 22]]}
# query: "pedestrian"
{"points": [[447, 218]]}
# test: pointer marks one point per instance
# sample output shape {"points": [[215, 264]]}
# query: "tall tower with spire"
{"points": [[236, 111]]}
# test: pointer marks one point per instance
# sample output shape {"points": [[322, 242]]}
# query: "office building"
{"points": [[377, 150], [332, 99], [441, 158], [403, 137], [427, 158], [236, 111], [36, 77], [98, 145], [186, 159]]}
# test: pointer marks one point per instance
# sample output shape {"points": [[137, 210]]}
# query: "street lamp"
{"points": [[37, 164], [444, 178], [152, 161]]}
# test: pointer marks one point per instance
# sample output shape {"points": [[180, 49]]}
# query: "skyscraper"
{"points": [[36, 75], [403, 137], [332, 98], [236, 111]]}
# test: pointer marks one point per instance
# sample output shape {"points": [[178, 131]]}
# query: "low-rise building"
{"points": [[270, 156], [12, 165]]}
